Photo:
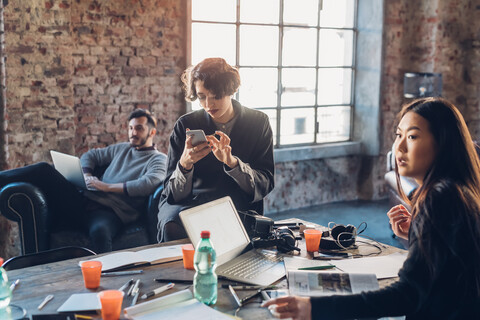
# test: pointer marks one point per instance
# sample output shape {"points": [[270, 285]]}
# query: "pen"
{"points": [[234, 294], [176, 280], [158, 290], [132, 288], [45, 301], [79, 316], [242, 301], [135, 292], [236, 287], [126, 285], [330, 266], [121, 273], [14, 285]]}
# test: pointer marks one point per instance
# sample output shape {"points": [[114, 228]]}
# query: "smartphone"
{"points": [[198, 137], [331, 255], [272, 294]]}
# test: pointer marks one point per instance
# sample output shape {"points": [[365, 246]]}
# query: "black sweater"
{"points": [[447, 292], [251, 141]]}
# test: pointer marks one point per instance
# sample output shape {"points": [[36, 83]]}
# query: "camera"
{"points": [[283, 238]]}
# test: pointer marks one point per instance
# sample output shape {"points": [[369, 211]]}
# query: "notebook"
{"points": [[71, 168], [230, 240]]}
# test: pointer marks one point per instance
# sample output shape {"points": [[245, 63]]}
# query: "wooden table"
{"points": [[64, 278]]}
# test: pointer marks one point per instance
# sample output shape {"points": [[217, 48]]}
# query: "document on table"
{"points": [[179, 305], [382, 266], [81, 302], [293, 263], [316, 284]]}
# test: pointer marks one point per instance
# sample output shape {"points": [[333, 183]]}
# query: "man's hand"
{"points": [[400, 220], [191, 154], [95, 183], [297, 308], [222, 149]]}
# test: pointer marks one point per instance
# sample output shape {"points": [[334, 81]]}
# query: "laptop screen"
{"points": [[227, 234]]}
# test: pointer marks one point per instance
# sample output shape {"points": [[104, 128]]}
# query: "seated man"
{"points": [[133, 171]]}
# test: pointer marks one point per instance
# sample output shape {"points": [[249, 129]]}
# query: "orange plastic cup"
{"points": [[111, 301], [188, 252], [91, 270], [312, 239]]}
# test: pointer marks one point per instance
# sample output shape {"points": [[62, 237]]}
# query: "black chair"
{"points": [[49, 256], [26, 205]]}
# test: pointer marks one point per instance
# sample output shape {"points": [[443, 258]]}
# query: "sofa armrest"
{"points": [[26, 204], [152, 214]]}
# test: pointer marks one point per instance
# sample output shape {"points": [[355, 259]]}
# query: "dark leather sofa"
{"points": [[26, 205]]}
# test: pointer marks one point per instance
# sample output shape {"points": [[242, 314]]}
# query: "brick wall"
{"points": [[76, 68]]}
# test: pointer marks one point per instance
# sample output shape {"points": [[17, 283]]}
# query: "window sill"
{"points": [[317, 152]]}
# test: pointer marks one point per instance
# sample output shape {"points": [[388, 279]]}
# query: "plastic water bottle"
{"points": [[5, 292], [205, 262]]}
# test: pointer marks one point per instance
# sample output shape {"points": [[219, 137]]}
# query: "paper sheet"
{"points": [[382, 266], [81, 302]]}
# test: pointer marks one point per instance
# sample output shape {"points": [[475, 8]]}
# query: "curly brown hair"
{"points": [[217, 75]]}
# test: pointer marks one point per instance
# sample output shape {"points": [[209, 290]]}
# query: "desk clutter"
{"points": [[154, 282]]}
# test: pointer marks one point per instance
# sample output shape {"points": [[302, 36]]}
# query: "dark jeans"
{"points": [[70, 208]]}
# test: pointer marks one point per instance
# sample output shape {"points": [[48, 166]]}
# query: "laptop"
{"points": [[71, 168], [230, 240]]}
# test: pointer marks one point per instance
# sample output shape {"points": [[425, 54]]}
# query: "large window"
{"points": [[295, 57]]}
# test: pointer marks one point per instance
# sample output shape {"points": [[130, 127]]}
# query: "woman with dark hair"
{"points": [[236, 160], [440, 278]]}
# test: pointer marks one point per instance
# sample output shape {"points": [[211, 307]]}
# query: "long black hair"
{"points": [[456, 161]]}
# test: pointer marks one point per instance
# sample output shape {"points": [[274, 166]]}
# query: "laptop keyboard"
{"points": [[250, 268]]}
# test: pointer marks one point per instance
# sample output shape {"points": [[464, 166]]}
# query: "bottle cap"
{"points": [[205, 234], [1, 262]]}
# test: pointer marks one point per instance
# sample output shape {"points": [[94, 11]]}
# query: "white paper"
{"points": [[125, 258], [315, 284], [293, 263], [382, 266], [179, 305], [81, 302]]}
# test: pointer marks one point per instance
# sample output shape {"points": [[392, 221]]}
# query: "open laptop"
{"points": [[230, 240], [71, 168]]}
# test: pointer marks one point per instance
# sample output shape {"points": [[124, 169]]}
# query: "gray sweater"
{"points": [[140, 171]]}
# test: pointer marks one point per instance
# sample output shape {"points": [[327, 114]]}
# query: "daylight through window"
{"points": [[295, 57]]}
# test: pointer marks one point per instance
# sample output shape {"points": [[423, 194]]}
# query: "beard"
{"points": [[137, 142]]}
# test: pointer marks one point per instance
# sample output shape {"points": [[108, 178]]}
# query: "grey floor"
{"points": [[374, 213]]}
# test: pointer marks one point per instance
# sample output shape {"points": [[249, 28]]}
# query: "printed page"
{"points": [[321, 283]]}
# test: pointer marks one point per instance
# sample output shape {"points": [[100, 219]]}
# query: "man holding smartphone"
{"points": [[235, 159]]}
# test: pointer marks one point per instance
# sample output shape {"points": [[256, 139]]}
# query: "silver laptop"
{"points": [[230, 239], [70, 167]]}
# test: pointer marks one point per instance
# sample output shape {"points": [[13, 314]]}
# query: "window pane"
{"points": [[299, 47], [206, 43], [303, 12], [258, 45], [259, 87], [264, 11], [337, 13], [272, 116], [334, 86], [214, 10], [336, 48], [333, 124], [298, 87], [297, 126]]}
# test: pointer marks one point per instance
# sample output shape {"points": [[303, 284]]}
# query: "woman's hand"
{"points": [[222, 149], [192, 154], [400, 220], [297, 308]]}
